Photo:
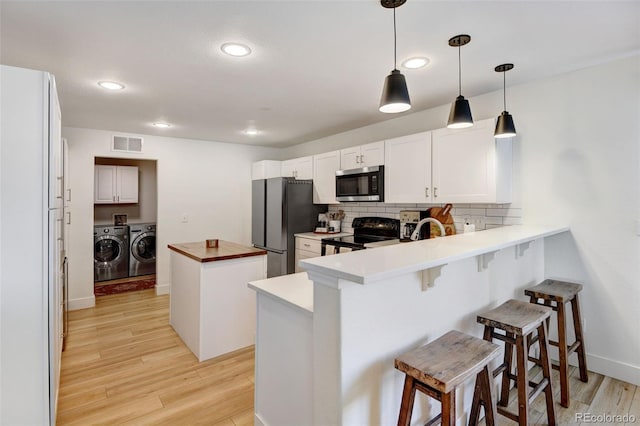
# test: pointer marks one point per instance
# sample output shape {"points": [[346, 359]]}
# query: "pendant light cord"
{"points": [[504, 89], [394, 39], [459, 72]]}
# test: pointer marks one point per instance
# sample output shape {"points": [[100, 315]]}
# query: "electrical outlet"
{"points": [[185, 218], [478, 221]]}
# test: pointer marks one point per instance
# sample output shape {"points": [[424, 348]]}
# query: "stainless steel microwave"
{"points": [[365, 184]]}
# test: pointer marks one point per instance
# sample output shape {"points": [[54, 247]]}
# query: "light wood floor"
{"points": [[124, 364]]}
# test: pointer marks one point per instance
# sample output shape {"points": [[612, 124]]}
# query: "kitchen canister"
{"points": [[334, 225]]}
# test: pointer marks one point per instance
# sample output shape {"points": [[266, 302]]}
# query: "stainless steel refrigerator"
{"points": [[280, 208]]}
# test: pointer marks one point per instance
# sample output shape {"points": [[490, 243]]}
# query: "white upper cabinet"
{"points": [[324, 177], [407, 172], [299, 168], [266, 169], [470, 165], [115, 184], [371, 154]]}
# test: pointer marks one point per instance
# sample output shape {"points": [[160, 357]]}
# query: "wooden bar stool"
{"points": [[437, 368], [519, 321], [555, 294]]}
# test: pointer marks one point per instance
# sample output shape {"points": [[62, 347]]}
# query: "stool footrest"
{"points": [[554, 343], [508, 414], [573, 347], [434, 421], [538, 388], [536, 361]]}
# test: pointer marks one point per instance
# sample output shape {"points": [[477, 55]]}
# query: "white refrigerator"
{"points": [[31, 246]]}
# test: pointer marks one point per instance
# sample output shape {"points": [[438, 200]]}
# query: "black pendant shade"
{"points": [[460, 115], [504, 126], [395, 95]]}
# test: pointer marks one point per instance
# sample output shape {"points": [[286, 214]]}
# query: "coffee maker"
{"points": [[408, 221]]}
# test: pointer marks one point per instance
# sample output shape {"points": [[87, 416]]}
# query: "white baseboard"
{"points": [[82, 303], [162, 289], [257, 420], [616, 369]]}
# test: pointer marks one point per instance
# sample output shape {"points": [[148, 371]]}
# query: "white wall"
{"points": [[145, 210], [576, 162], [209, 181]]}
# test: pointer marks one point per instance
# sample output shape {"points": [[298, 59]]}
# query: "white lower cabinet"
{"points": [[324, 177], [306, 248], [407, 174], [470, 165]]}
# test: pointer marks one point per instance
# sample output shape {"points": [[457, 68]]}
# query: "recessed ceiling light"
{"points": [[251, 131], [111, 85], [235, 49], [162, 125], [418, 62]]}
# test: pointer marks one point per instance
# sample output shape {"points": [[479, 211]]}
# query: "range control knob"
{"points": [[106, 231]]}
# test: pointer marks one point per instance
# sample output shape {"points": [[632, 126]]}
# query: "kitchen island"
{"points": [[211, 308], [369, 306]]}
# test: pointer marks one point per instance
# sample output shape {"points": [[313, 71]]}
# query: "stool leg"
{"points": [[546, 372], [483, 394], [408, 396], [577, 326], [522, 380], [562, 351], [449, 408], [506, 380]]}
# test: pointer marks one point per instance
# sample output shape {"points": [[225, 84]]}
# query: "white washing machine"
{"points": [[142, 259], [110, 252]]}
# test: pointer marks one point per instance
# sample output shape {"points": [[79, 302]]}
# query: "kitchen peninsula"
{"points": [[369, 306], [211, 308]]}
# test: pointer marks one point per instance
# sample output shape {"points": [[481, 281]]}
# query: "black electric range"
{"points": [[368, 232]]}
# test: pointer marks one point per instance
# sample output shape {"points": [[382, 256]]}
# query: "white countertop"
{"points": [[367, 266], [315, 236], [293, 289]]}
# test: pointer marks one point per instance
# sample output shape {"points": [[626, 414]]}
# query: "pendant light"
{"points": [[460, 115], [504, 127], [395, 96]]}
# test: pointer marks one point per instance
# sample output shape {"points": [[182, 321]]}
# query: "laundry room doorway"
{"points": [[125, 225]]}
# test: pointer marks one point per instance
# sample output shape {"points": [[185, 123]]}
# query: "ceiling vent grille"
{"points": [[126, 144]]}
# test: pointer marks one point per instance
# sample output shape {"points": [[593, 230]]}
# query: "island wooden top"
{"points": [[226, 250]]}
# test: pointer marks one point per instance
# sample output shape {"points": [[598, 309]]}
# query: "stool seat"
{"points": [[514, 316], [447, 361], [558, 291], [436, 369]]}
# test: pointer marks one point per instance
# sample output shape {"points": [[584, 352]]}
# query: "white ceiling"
{"points": [[317, 67]]}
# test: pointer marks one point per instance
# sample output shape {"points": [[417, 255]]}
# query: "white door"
{"points": [[350, 158], [407, 172], [127, 184], [288, 168], [324, 177], [464, 168], [304, 168], [372, 154], [105, 184]]}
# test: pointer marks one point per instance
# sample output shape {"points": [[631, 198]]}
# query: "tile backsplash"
{"points": [[485, 216]]}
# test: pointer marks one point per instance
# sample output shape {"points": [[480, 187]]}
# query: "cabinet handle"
{"points": [[306, 245], [68, 218], [69, 195], [426, 192], [435, 192], [118, 198], [362, 159], [114, 198]]}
